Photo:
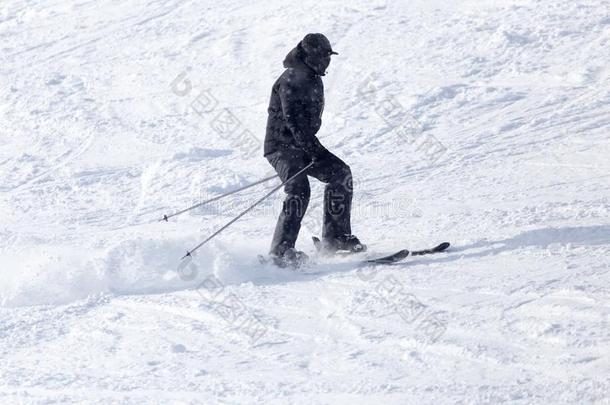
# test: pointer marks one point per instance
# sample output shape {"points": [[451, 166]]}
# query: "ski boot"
{"points": [[290, 258], [345, 242]]}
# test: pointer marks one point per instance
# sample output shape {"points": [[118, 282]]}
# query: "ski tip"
{"points": [[317, 243], [262, 259], [401, 254], [442, 246]]}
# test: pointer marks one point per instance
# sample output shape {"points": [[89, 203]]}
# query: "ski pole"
{"points": [[166, 217], [189, 252]]}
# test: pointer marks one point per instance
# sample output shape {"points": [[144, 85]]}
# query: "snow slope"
{"points": [[495, 116]]}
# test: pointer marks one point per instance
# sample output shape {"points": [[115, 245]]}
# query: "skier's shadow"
{"points": [[552, 239]]}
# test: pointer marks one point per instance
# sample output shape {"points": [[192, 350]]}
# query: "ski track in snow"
{"points": [[97, 145]]}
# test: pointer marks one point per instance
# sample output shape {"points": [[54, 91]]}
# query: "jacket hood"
{"points": [[296, 59], [313, 63]]}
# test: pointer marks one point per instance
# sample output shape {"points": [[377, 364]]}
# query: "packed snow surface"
{"points": [[483, 123]]}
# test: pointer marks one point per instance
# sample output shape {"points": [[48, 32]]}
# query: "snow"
{"points": [[484, 123]]}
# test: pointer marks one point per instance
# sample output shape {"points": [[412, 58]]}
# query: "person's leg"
{"points": [[287, 164], [337, 196]]}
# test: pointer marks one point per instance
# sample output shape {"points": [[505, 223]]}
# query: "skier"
{"points": [[295, 111]]}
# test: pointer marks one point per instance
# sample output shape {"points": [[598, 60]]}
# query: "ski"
{"points": [[263, 260], [441, 247], [393, 258], [317, 243], [403, 254], [389, 259]]}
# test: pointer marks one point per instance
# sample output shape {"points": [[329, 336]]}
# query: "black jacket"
{"points": [[295, 108]]}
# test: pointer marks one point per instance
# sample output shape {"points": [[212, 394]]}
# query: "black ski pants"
{"points": [[338, 192]]}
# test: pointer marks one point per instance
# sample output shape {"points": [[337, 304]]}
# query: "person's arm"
{"points": [[297, 116]]}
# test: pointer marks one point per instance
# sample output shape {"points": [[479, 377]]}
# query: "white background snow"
{"points": [[99, 138]]}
